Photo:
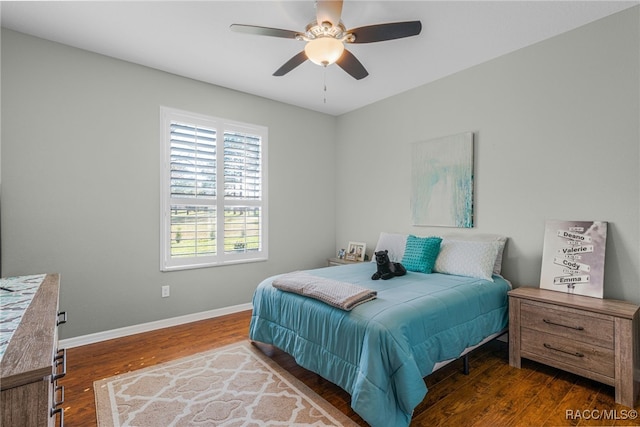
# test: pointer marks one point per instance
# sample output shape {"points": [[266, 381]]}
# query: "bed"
{"points": [[380, 350]]}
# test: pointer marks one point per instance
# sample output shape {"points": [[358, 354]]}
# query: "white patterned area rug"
{"points": [[234, 386]]}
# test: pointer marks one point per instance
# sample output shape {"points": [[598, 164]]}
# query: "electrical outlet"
{"points": [[165, 291]]}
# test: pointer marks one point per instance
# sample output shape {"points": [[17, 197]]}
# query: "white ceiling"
{"points": [[192, 39]]}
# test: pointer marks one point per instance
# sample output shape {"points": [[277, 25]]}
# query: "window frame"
{"points": [[169, 263]]}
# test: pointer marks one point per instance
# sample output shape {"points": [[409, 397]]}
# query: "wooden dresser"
{"points": [[592, 337], [31, 364]]}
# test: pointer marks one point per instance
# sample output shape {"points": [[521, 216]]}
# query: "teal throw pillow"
{"points": [[420, 253]]}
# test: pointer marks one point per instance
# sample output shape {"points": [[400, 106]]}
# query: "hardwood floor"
{"points": [[493, 394]]}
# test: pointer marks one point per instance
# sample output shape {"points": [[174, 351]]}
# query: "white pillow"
{"points": [[467, 258], [502, 240], [394, 243]]}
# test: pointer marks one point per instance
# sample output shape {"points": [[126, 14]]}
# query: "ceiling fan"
{"points": [[327, 35]]}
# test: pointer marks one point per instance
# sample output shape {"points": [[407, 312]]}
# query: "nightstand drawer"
{"points": [[592, 337], [571, 324], [568, 352]]}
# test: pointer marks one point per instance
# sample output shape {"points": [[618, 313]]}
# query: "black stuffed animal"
{"points": [[386, 268]]}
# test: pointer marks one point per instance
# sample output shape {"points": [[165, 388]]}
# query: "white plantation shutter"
{"points": [[193, 161], [213, 191], [242, 171]]}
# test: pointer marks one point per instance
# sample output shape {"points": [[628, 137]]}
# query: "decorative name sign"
{"points": [[573, 257]]}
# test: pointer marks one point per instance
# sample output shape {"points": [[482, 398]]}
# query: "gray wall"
{"points": [[80, 175], [557, 127]]}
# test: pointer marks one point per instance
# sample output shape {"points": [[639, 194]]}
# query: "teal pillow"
{"points": [[420, 253]]}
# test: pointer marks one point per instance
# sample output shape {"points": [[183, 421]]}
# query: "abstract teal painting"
{"points": [[442, 181]]}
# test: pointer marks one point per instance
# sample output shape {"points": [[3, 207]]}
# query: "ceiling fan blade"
{"points": [[351, 65], [291, 64], [382, 32], [264, 31], [328, 11]]}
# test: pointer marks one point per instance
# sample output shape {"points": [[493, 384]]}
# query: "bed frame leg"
{"points": [[465, 362]]}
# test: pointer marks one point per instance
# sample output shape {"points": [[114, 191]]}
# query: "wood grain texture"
{"points": [[494, 393], [574, 354], [515, 308], [626, 390], [569, 323], [28, 363], [609, 307], [29, 355], [27, 405], [591, 337]]}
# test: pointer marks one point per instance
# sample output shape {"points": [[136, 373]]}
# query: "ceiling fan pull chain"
{"points": [[325, 84]]}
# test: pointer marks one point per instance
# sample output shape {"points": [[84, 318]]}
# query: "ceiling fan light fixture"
{"points": [[324, 50], [326, 35]]}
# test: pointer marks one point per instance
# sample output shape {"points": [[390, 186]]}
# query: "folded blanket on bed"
{"points": [[342, 295]]}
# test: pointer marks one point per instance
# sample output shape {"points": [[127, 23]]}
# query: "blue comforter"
{"points": [[380, 351]]}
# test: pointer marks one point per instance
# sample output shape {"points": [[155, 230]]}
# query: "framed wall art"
{"points": [[573, 257], [442, 181]]}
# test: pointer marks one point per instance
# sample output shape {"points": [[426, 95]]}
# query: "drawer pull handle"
{"points": [[59, 411], [57, 403], [550, 347], [62, 318], [549, 322], [60, 359]]}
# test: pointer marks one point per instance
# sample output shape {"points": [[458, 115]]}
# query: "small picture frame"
{"points": [[355, 251]]}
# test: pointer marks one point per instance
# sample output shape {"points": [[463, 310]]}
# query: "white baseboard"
{"points": [[150, 326]]}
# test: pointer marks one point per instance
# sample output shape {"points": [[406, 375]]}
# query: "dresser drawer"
{"points": [[576, 325], [569, 352]]}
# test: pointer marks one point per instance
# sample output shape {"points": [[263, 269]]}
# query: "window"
{"points": [[213, 191]]}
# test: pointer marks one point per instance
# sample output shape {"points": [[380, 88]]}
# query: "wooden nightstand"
{"points": [[339, 261], [592, 337]]}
